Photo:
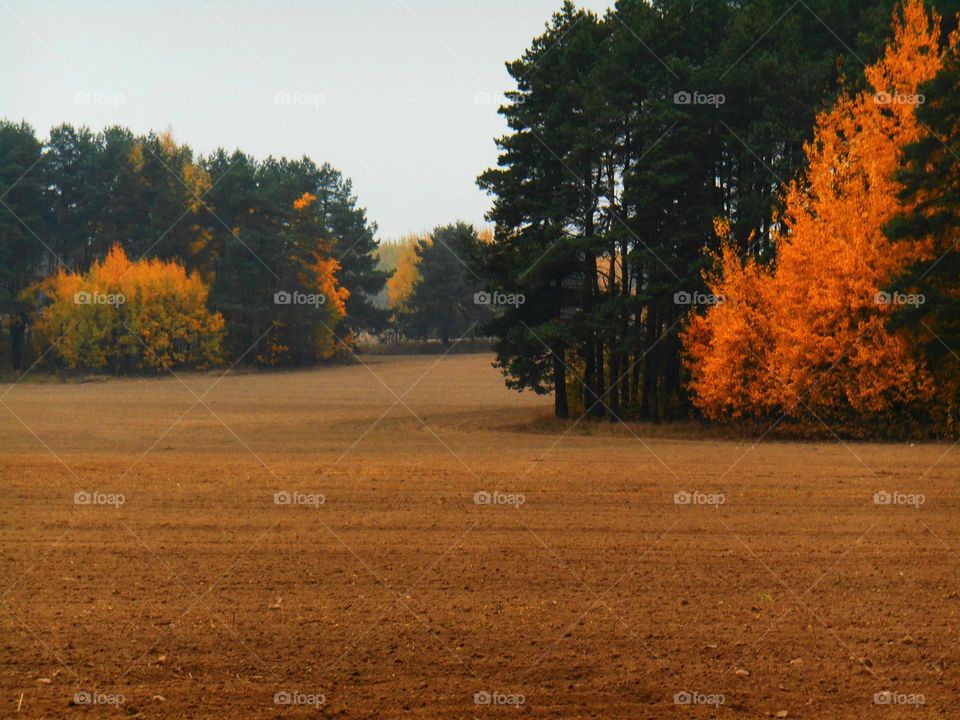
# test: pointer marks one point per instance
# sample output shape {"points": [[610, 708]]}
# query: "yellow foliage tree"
{"points": [[407, 275], [127, 315]]}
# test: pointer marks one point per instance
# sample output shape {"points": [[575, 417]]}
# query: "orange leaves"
{"points": [[304, 201], [725, 347], [125, 315], [325, 281], [809, 337]]}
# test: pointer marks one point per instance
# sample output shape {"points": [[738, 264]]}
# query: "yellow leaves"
{"points": [[167, 144], [404, 279], [197, 181], [128, 315], [136, 156]]}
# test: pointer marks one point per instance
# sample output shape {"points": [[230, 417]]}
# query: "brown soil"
{"points": [[399, 596]]}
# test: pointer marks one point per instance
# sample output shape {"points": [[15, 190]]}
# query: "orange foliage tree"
{"points": [[807, 338], [304, 326], [127, 315]]}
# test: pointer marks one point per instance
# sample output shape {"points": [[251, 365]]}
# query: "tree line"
{"points": [[286, 256]]}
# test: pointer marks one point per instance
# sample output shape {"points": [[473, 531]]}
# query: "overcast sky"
{"points": [[400, 95]]}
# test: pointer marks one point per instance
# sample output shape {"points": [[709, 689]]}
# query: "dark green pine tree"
{"points": [[356, 246], [120, 217], [73, 193], [445, 303], [547, 210], [931, 178], [24, 224], [241, 222]]}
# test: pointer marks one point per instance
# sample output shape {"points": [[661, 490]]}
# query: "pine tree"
{"points": [[444, 303], [931, 189]]}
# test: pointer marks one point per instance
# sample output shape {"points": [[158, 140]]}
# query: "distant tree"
{"points": [[74, 194], [312, 302], [444, 302], [406, 273], [356, 245], [24, 219]]}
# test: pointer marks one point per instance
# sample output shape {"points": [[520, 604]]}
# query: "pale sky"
{"points": [[400, 95]]}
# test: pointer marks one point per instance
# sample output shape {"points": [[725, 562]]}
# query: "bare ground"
{"points": [[582, 590]]}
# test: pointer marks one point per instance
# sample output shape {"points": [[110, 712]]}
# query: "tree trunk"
{"points": [[590, 366], [560, 408], [17, 329], [649, 403], [598, 409]]}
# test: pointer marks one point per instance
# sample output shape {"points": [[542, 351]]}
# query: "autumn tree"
{"points": [[309, 302], [820, 349], [406, 273], [127, 316]]}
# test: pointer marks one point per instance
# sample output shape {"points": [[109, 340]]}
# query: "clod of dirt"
{"points": [[907, 640]]}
